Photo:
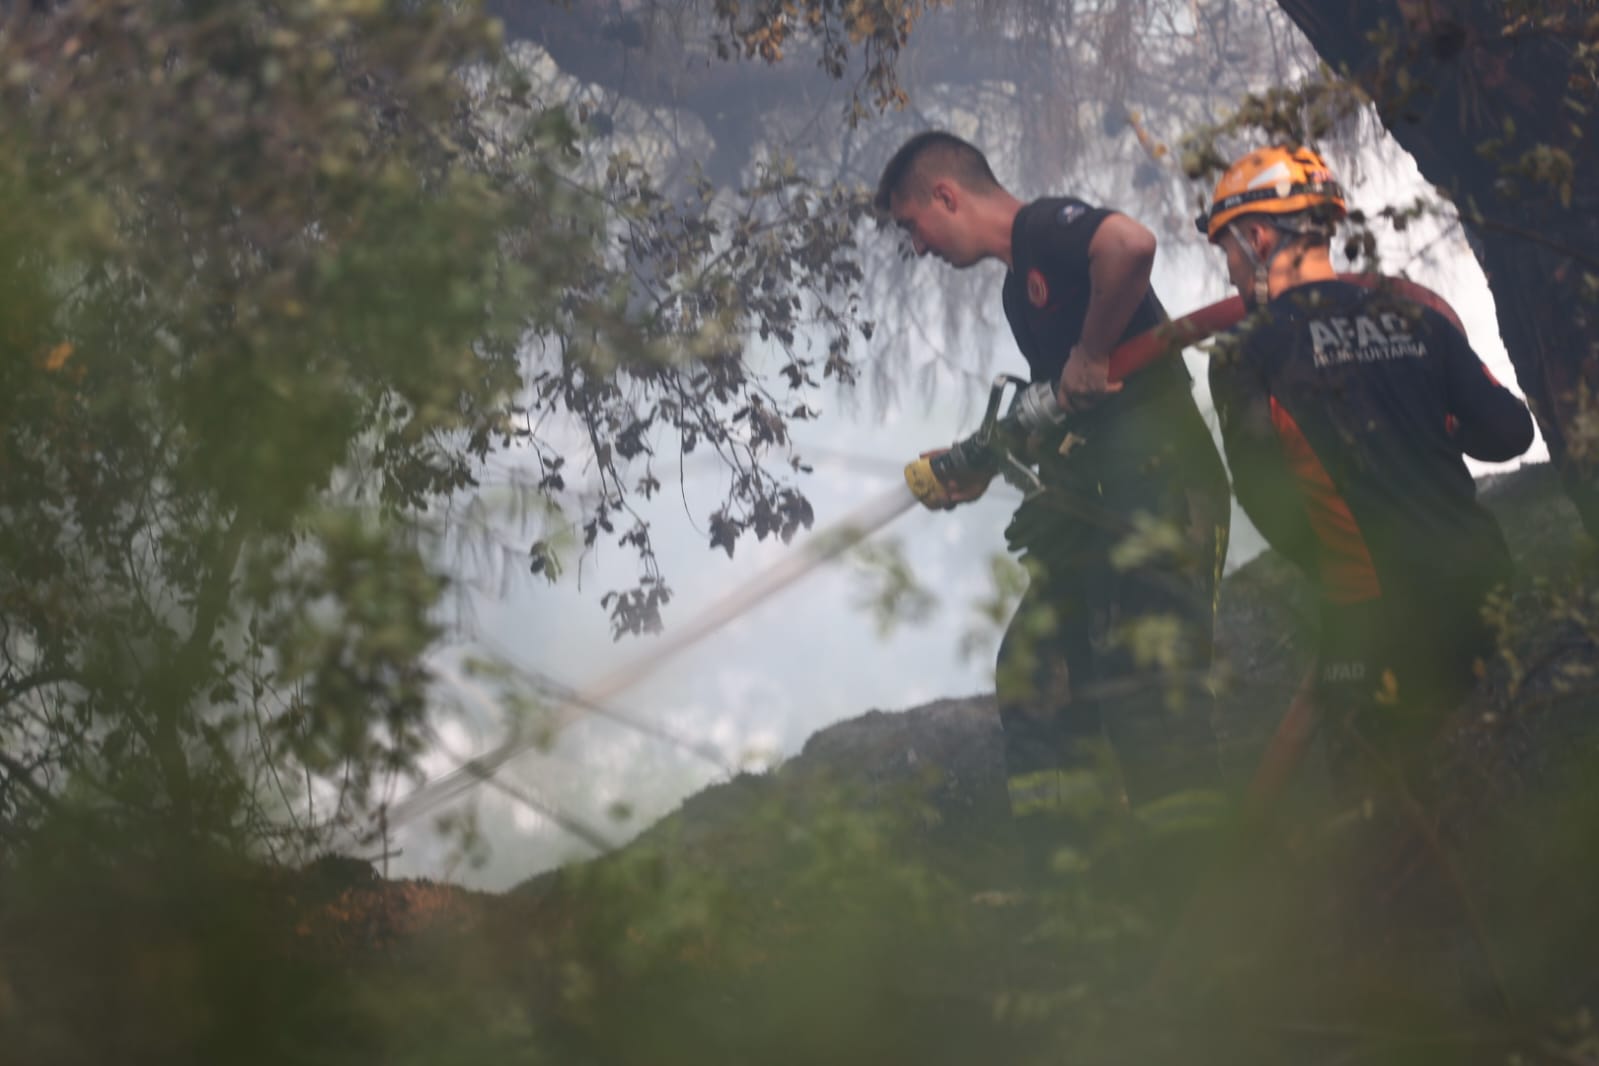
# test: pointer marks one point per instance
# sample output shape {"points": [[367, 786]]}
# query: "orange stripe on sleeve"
{"points": [[1347, 573]]}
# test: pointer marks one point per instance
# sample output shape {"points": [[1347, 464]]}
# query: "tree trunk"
{"points": [[1481, 103]]}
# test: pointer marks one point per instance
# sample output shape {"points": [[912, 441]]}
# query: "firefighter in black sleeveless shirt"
{"points": [[1075, 668]]}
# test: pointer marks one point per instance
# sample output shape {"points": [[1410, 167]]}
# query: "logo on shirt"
{"points": [[1069, 214], [1343, 671], [1340, 339], [1037, 288]]}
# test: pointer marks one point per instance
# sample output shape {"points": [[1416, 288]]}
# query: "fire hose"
{"points": [[1000, 443], [996, 446]]}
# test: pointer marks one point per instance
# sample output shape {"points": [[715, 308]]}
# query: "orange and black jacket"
{"points": [[1346, 414]]}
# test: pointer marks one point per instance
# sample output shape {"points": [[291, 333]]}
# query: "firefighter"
{"points": [[1077, 675], [1346, 415]]}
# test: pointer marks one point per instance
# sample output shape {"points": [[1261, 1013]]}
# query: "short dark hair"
{"points": [[928, 155]]}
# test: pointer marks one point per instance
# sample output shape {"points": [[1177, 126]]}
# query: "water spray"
{"points": [[816, 550]]}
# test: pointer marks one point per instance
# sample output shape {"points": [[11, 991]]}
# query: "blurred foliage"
{"points": [[889, 588], [256, 310], [842, 913], [278, 282], [991, 612]]}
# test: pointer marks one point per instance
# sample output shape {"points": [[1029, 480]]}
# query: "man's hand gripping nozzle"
{"points": [[999, 446]]}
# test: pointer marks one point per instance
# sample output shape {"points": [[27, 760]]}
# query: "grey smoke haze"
{"points": [[752, 694]]}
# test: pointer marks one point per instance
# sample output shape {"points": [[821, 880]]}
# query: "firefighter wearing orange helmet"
{"points": [[1289, 190], [1346, 415]]}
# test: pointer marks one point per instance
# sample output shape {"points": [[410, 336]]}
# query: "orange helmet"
{"points": [[1273, 181]]}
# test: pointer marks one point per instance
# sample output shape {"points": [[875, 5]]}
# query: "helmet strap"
{"points": [[1290, 229], [1262, 267]]}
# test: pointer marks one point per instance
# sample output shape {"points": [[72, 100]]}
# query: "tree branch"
{"points": [[169, 700], [23, 776], [12, 690]]}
